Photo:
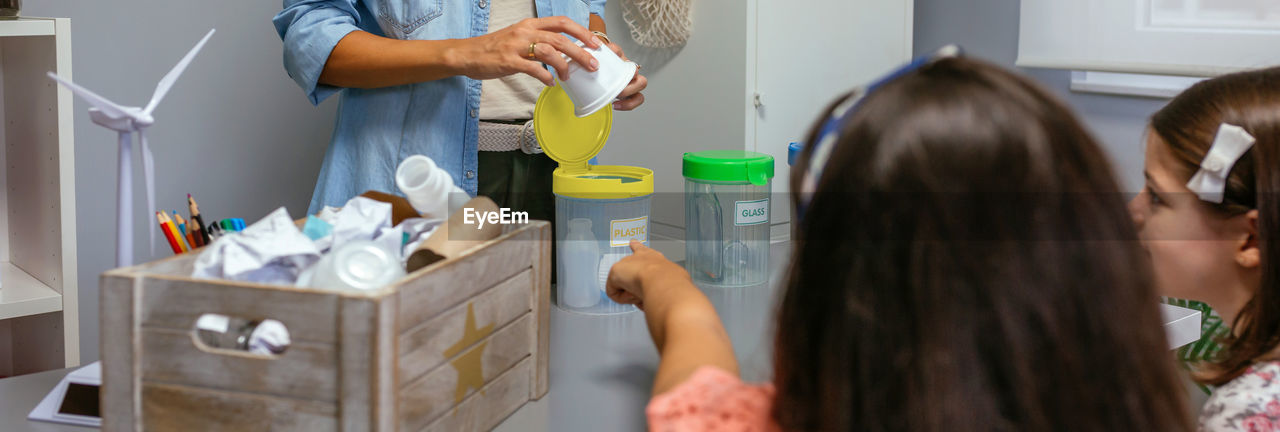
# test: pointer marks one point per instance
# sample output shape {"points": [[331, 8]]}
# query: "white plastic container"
{"points": [[591, 91]]}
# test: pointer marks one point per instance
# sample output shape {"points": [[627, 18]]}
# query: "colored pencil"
{"points": [[201, 228], [181, 232], [184, 228], [168, 235], [182, 223], [173, 230], [192, 236], [196, 231]]}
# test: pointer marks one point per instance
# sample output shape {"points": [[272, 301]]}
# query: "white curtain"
{"points": [[1169, 37]]}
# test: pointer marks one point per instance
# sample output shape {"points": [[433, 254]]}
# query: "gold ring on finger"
{"points": [[533, 54]]}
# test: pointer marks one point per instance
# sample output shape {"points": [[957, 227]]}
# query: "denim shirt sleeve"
{"points": [[596, 7], [310, 29]]}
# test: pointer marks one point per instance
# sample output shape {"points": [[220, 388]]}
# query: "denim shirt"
{"points": [[378, 128]]}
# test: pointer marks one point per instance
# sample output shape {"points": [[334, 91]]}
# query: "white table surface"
{"points": [[602, 367]]}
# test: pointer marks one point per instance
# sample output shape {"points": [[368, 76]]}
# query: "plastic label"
{"points": [[751, 212], [622, 231]]}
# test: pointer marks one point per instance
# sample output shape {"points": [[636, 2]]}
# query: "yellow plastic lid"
{"points": [[573, 141], [602, 182], [566, 138]]}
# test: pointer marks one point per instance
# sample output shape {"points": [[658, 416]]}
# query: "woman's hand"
{"points": [[629, 277], [630, 98], [506, 52]]}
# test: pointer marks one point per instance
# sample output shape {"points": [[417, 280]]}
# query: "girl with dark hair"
{"points": [[1210, 218], [964, 262]]}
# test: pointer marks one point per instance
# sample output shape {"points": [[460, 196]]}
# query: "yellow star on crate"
{"points": [[470, 373]]}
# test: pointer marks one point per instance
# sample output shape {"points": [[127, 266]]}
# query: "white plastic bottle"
{"points": [[429, 189], [581, 255]]}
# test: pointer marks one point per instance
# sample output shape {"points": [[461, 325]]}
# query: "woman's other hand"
{"points": [[630, 98]]}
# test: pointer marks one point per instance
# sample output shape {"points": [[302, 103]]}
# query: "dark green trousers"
{"points": [[521, 182]]}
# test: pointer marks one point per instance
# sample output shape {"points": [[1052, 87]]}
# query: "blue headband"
{"points": [[822, 143]]}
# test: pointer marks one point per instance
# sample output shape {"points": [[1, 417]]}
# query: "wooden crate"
{"points": [[459, 345]]}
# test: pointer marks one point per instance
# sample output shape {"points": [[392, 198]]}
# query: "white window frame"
{"points": [[1120, 36], [1126, 84]]}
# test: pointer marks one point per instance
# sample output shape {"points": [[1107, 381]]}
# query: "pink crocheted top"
{"points": [[713, 400]]}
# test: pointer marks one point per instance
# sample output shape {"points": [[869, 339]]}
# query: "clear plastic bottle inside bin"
{"points": [[582, 256]]}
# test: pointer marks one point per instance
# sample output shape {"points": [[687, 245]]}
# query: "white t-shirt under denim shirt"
{"points": [[511, 97]]}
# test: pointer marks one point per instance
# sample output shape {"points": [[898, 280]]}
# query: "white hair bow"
{"points": [[1210, 181]]}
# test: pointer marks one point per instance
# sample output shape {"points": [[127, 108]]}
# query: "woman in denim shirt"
{"points": [[415, 74]]}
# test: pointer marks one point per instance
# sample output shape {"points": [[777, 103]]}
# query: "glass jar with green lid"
{"points": [[726, 196]]}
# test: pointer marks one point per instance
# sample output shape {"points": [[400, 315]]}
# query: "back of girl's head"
{"points": [[1186, 128], [966, 263]]}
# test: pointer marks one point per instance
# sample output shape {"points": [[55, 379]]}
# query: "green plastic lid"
{"points": [[729, 166]]}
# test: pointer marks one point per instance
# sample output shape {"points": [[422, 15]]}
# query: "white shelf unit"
{"points": [[39, 308]]}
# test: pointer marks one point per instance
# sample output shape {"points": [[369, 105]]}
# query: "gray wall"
{"points": [[235, 131], [988, 29]]}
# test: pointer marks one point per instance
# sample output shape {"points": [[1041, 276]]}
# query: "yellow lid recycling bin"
{"points": [[599, 208]]}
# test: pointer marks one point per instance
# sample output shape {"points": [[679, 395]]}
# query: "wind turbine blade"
{"points": [[167, 82], [111, 109]]}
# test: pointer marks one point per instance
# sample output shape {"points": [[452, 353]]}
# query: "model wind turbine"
{"points": [[126, 121]]}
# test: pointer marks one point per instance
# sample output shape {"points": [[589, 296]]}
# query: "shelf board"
{"points": [[22, 295], [26, 27]]}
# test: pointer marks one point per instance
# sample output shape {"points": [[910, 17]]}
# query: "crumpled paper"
{"points": [[417, 230], [272, 250], [360, 219]]}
